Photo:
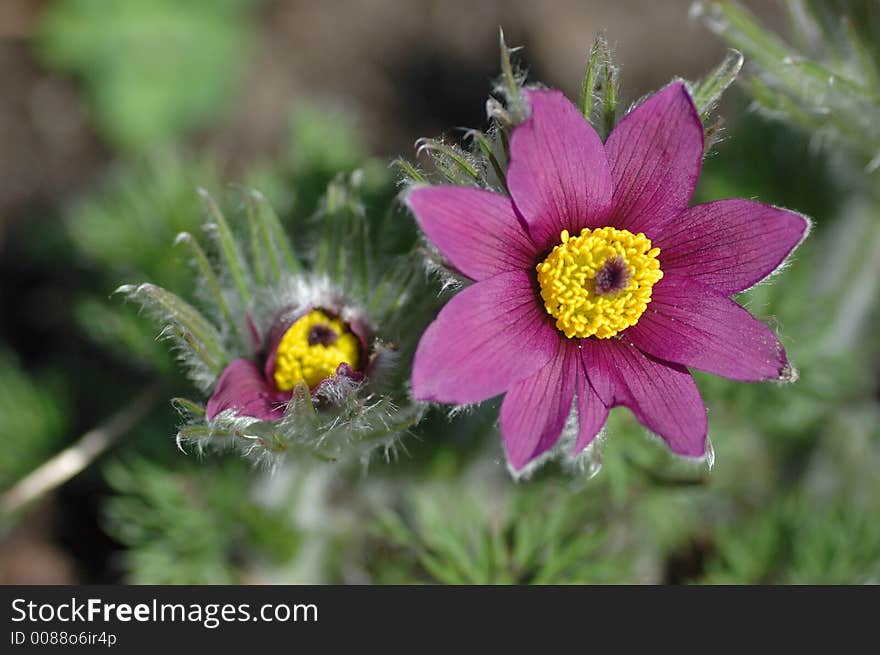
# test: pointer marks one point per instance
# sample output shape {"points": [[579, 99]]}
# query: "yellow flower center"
{"points": [[599, 282], [311, 350]]}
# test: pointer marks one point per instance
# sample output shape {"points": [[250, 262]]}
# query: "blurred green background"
{"points": [[113, 113]]}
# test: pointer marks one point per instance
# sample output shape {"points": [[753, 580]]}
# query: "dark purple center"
{"points": [[323, 334], [614, 276]]}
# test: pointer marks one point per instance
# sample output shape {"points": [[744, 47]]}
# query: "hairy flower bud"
{"points": [[294, 350]]}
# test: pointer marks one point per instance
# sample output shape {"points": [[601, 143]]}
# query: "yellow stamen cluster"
{"points": [[311, 350], [585, 306]]}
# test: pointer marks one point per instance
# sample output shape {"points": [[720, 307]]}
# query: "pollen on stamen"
{"points": [[312, 349], [598, 283]]}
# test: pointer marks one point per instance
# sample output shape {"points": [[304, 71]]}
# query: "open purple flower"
{"points": [[305, 345], [594, 280]]}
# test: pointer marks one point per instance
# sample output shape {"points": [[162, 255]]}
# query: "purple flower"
{"points": [[595, 281], [309, 346]]}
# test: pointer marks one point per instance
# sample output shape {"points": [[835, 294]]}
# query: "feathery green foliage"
{"points": [[828, 83], [190, 526]]}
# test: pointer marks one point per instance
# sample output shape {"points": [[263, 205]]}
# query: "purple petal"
{"points": [[655, 153], [694, 325], [359, 327], [592, 412], [535, 409], [488, 337], [477, 231], [663, 396], [558, 176], [242, 387], [730, 244]]}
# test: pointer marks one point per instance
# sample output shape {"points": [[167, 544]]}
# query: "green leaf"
{"points": [[207, 274], [271, 248], [592, 72], [182, 315], [228, 247], [707, 92]]}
